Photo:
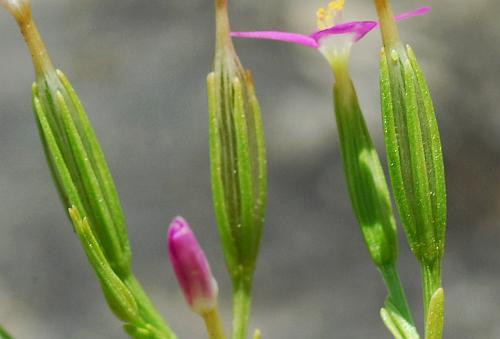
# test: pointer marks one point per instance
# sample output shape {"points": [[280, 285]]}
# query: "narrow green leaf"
{"points": [[435, 317], [389, 323], [397, 325]]}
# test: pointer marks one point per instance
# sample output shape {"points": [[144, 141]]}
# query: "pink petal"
{"points": [[357, 28], [279, 36], [417, 12]]}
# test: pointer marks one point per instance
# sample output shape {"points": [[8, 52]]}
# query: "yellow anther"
{"points": [[327, 17], [336, 5]]}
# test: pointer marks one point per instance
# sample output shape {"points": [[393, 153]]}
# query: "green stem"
{"points": [[213, 324], [242, 300], [146, 308], [431, 281], [4, 334], [396, 291]]}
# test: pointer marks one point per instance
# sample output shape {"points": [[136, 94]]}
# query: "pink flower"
{"points": [[191, 267], [333, 38]]}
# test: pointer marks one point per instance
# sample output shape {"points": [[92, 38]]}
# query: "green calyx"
{"points": [[238, 167], [237, 154], [78, 165], [414, 153]]}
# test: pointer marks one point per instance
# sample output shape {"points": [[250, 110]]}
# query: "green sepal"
{"points": [[218, 193], [435, 316], [119, 298], [78, 165], [414, 153], [397, 324]]}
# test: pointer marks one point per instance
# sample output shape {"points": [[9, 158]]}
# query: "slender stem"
{"points": [[431, 281], [242, 300], [396, 291], [213, 324], [146, 307], [390, 34], [222, 26], [36, 46]]}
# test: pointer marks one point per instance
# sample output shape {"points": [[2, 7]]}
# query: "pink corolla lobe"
{"points": [[191, 267], [356, 29]]}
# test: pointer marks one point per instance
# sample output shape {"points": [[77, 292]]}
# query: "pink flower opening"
{"points": [[357, 29]]}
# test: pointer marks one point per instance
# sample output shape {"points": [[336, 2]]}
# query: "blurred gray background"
{"points": [[139, 67]]}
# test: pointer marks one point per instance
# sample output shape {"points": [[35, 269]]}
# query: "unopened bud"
{"points": [[191, 267]]}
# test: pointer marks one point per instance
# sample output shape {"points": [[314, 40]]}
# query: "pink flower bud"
{"points": [[191, 267]]}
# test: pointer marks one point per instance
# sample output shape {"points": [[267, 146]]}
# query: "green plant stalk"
{"points": [[146, 308], [242, 301], [431, 282], [396, 292], [213, 324]]}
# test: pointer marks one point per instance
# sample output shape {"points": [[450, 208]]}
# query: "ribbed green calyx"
{"points": [[237, 155], [414, 153], [72, 150], [78, 165], [365, 177], [86, 187]]}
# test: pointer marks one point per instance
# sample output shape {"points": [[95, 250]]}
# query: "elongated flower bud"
{"points": [[237, 154], [191, 267], [72, 149]]}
